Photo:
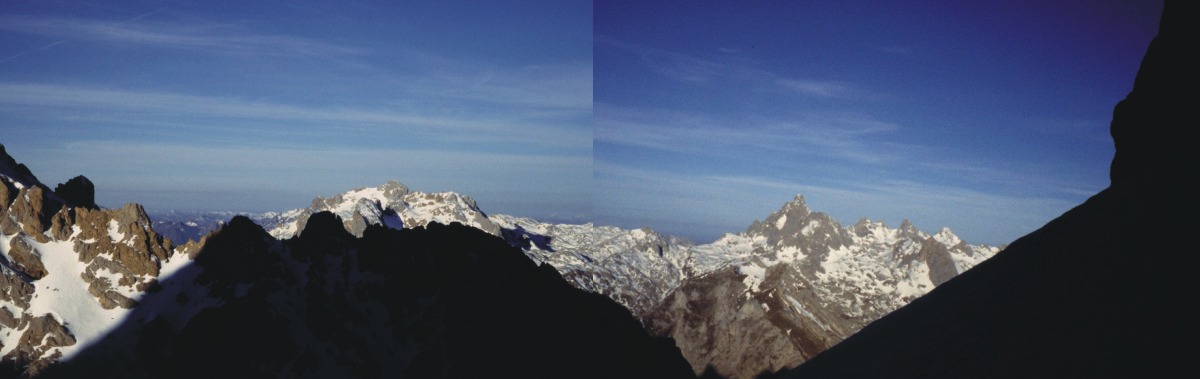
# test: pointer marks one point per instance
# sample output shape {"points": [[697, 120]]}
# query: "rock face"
{"points": [[1094, 293], [65, 265], [436, 301]]}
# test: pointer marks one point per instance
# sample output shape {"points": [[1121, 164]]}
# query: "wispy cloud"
{"points": [[153, 108], [839, 135], [731, 68], [827, 89], [674, 65], [213, 37]]}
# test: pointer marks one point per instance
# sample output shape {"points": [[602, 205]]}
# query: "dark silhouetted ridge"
{"points": [[1097, 292], [78, 191], [439, 301]]}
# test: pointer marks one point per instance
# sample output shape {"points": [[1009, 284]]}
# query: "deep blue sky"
{"points": [[691, 117], [988, 117], [262, 105]]}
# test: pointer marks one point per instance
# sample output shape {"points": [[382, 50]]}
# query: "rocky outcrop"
{"points": [[125, 235], [41, 334], [25, 259], [14, 289], [33, 211], [119, 257]]}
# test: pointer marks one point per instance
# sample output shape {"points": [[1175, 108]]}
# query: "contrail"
{"points": [[139, 17], [56, 43], [18, 55], [52, 44]]}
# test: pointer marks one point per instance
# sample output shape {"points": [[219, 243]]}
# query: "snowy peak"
{"points": [[385, 195], [908, 230], [796, 225], [946, 237], [391, 205]]}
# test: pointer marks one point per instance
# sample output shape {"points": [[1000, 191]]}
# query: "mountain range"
{"points": [[797, 281]]}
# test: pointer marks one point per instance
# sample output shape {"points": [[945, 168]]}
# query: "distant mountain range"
{"points": [[795, 283]]}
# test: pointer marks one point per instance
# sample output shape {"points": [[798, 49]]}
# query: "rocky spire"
{"points": [[78, 191]]}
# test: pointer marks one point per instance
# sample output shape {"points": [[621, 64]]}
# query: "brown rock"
{"points": [[26, 259], [141, 250], [6, 190], [60, 225], [8, 225], [101, 287], [7, 319], [29, 209], [13, 288], [41, 334]]}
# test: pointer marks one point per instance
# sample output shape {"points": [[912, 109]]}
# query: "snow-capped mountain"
{"points": [[796, 282], [391, 205]]}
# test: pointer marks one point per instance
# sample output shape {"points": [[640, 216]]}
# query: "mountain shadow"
{"points": [[439, 301], [1097, 292]]}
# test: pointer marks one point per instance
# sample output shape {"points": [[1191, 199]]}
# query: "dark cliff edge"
{"points": [[439, 301], [1097, 292]]}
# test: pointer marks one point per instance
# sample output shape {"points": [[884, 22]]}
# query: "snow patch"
{"points": [[754, 277], [114, 231], [781, 221], [62, 294]]}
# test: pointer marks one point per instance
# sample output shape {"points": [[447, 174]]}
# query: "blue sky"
{"points": [[987, 117], [691, 117], [262, 105]]}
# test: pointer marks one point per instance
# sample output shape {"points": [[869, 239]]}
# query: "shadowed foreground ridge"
{"points": [[1093, 293], [440, 301]]}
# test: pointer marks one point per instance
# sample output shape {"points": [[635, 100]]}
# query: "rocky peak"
{"points": [[393, 189], [947, 237], [79, 191], [796, 207], [16, 171], [865, 227], [796, 225], [908, 230], [33, 210]]}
